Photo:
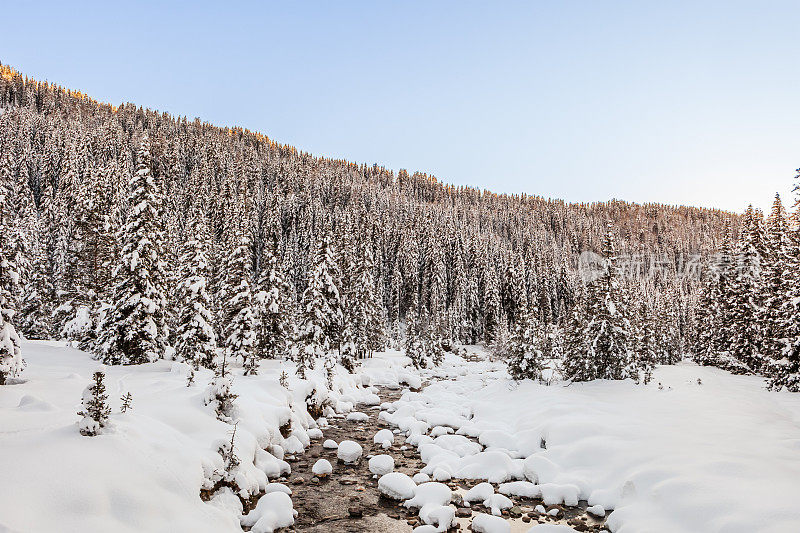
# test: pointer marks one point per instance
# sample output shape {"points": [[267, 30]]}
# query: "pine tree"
{"points": [[274, 302], [133, 330], [196, 340], [240, 313], [95, 408], [774, 316], [321, 313], [607, 352], [10, 351], [746, 339], [524, 351]]}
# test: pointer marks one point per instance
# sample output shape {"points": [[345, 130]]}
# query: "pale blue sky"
{"points": [[694, 102]]}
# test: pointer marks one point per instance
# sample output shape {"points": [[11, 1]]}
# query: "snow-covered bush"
{"points": [[220, 397]]}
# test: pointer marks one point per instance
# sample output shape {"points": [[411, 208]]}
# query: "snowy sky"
{"points": [[676, 102]]}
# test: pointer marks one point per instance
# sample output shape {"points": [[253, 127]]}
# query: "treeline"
{"points": [[139, 235], [749, 308]]}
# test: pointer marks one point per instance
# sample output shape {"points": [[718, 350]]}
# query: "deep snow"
{"points": [[697, 450]]}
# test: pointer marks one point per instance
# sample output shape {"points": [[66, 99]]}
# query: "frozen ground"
{"points": [[718, 455]]}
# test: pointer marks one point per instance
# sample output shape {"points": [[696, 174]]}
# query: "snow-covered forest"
{"points": [[240, 297]]}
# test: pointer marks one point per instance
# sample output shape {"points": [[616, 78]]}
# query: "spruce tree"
{"points": [[274, 304], [133, 330], [196, 340], [95, 408], [606, 352], [240, 338], [321, 314], [10, 351], [524, 350]]}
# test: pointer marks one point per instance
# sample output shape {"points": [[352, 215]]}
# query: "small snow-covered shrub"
{"points": [[220, 397], [95, 409]]}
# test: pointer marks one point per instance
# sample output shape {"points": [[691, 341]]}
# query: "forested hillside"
{"points": [[140, 235]]}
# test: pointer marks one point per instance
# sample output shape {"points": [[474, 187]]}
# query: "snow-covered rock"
{"points": [[497, 503], [277, 487], [397, 486], [426, 493], [478, 493], [322, 468], [381, 464], [486, 523], [349, 452], [384, 437], [330, 444], [441, 516], [357, 416], [273, 511], [420, 477]]}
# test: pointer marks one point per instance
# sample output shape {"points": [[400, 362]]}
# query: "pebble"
{"points": [[463, 512], [355, 512]]}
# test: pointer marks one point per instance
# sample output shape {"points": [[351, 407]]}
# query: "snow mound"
{"points": [[277, 487], [330, 444], [497, 503], [349, 452], [486, 523], [397, 486], [478, 493], [322, 468], [551, 528], [381, 464], [357, 416], [430, 493], [314, 433], [273, 511], [442, 516], [420, 478], [382, 437]]}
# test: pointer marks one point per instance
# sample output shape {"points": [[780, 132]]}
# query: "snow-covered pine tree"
{"points": [[607, 352], [746, 341], [524, 348], [219, 394], [783, 369], [274, 309], [774, 316], [240, 338], [196, 340], [645, 341], [10, 351], [133, 330], [95, 408], [321, 314]]}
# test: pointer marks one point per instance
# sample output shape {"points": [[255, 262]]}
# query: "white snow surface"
{"points": [[685, 457], [322, 468], [151, 462]]}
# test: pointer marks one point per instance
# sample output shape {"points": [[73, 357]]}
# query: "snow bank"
{"points": [[159, 455], [682, 457]]}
